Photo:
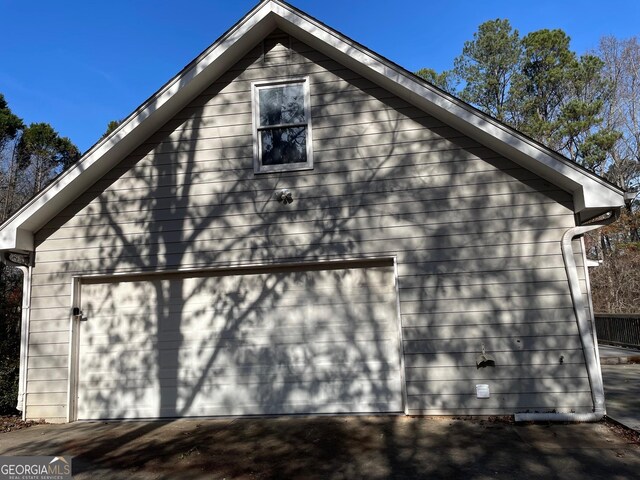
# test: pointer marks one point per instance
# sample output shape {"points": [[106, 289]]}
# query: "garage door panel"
{"points": [[135, 376], [285, 342], [104, 345], [98, 382], [360, 323], [230, 408], [213, 317], [255, 399], [194, 304], [228, 356], [254, 392], [132, 315]]}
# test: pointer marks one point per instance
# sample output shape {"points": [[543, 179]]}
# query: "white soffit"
{"points": [[589, 191]]}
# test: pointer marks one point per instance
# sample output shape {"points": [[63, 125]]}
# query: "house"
{"points": [[295, 225]]}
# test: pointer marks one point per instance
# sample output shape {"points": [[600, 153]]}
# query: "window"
{"points": [[282, 126]]}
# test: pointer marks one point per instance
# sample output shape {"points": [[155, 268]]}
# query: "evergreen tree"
{"points": [[487, 66], [445, 80]]}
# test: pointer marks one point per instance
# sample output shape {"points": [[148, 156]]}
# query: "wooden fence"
{"points": [[618, 329]]}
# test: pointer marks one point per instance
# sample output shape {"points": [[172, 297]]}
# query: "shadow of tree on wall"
{"points": [[476, 237]]}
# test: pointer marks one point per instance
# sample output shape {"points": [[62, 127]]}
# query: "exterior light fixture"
{"points": [[284, 196], [485, 360]]}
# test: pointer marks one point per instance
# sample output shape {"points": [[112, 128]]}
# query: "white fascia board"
{"points": [[18, 232], [589, 191]]}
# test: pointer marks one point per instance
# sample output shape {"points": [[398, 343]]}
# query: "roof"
{"points": [[592, 195]]}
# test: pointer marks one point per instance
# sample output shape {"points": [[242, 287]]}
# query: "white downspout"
{"points": [[24, 339], [590, 299], [589, 347]]}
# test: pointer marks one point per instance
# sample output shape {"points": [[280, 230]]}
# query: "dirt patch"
{"points": [[630, 435], [10, 423], [481, 420]]}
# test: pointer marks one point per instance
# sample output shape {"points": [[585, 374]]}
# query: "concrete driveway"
{"points": [[372, 447], [621, 375], [622, 393]]}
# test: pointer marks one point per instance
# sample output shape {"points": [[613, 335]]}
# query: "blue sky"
{"points": [[79, 64]]}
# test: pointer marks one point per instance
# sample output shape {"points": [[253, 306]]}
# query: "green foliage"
{"points": [[538, 85], [542, 86], [594, 150], [487, 66], [444, 80], [111, 126], [10, 308], [40, 142], [10, 124], [562, 99], [41, 149]]}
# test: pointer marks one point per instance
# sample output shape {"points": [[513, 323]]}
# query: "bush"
{"points": [[10, 317]]}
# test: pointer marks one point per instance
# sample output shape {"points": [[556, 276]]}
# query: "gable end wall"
{"points": [[476, 237]]}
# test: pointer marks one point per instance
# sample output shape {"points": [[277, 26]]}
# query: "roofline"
{"points": [[152, 97], [514, 131], [18, 231], [424, 89], [113, 148], [485, 116]]}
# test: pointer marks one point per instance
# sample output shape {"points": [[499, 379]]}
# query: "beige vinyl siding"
{"points": [[477, 238]]}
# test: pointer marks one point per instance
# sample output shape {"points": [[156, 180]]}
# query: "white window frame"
{"points": [[257, 147]]}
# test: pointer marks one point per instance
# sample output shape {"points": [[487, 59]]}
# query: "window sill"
{"points": [[282, 168]]}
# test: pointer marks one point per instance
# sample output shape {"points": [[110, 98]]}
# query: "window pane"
{"points": [[283, 104], [284, 145]]}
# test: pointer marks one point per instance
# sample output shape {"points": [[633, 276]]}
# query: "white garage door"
{"points": [[311, 340]]}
